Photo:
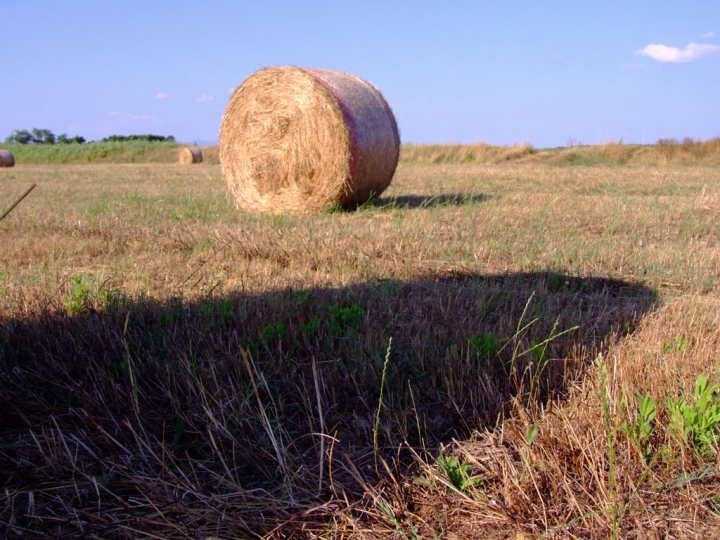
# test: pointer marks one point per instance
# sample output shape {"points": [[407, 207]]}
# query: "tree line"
{"points": [[45, 136], [41, 136], [148, 138]]}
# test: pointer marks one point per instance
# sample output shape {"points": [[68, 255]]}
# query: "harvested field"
{"points": [[463, 357]]}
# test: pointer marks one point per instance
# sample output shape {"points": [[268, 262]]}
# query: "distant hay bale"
{"points": [[305, 140], [6, 158], [190, 155]]}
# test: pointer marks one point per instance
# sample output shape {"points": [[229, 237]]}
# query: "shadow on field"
{"points": [[429, 201], [263, 403]]}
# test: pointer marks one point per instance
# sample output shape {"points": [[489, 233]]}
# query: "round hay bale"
{"points": [[306, 140], [190, 155], [6, 158]]}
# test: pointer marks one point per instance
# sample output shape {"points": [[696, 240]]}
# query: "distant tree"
{"points": [[38, 136], [19, 136], [64, 139], [43, 136], [148, 138]]}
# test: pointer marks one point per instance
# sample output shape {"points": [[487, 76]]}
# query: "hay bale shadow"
{"points": [[246, 400]]}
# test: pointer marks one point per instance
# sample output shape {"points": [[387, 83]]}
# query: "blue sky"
{"points": [[496, 72]]}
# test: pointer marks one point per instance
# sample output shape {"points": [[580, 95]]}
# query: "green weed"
{"points": [[697, 423], [485, 347], [78, 299], [679, 345], [97, 209], [311, 328], [115, 300], [226, 311], [344, 322], [272, 333], [639, 432], [457, 473], [532, 434], [301, 296]]}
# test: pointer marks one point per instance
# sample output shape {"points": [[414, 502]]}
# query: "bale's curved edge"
{"points": [[374, 135], [6, 158], [188, 156], [305, 140]]}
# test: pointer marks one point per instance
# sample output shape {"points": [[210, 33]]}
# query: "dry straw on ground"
{"points": [[305, 140], [6, 159], [129, 293], [189, 156]]}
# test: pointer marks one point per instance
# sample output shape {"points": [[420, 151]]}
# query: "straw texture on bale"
{"points": [[188, 156], [6, 158], [306, 140]]}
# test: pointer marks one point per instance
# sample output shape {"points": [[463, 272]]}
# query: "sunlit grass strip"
{"points": [[108, 152]]}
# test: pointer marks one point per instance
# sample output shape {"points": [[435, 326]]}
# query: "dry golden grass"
{"points": [[657, 225], [665, 152], [146, 324]]}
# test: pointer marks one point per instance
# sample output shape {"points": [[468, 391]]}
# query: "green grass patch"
{"points": [[108, 152]]}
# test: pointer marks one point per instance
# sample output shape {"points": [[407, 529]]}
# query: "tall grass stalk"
{"points": [[279, 451], [380, 400], [611, 437], [321, 420]]}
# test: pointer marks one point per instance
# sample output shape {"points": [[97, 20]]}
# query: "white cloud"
{"points": [[663, 53], [204, 98], [162, 95], [708, 35]]}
